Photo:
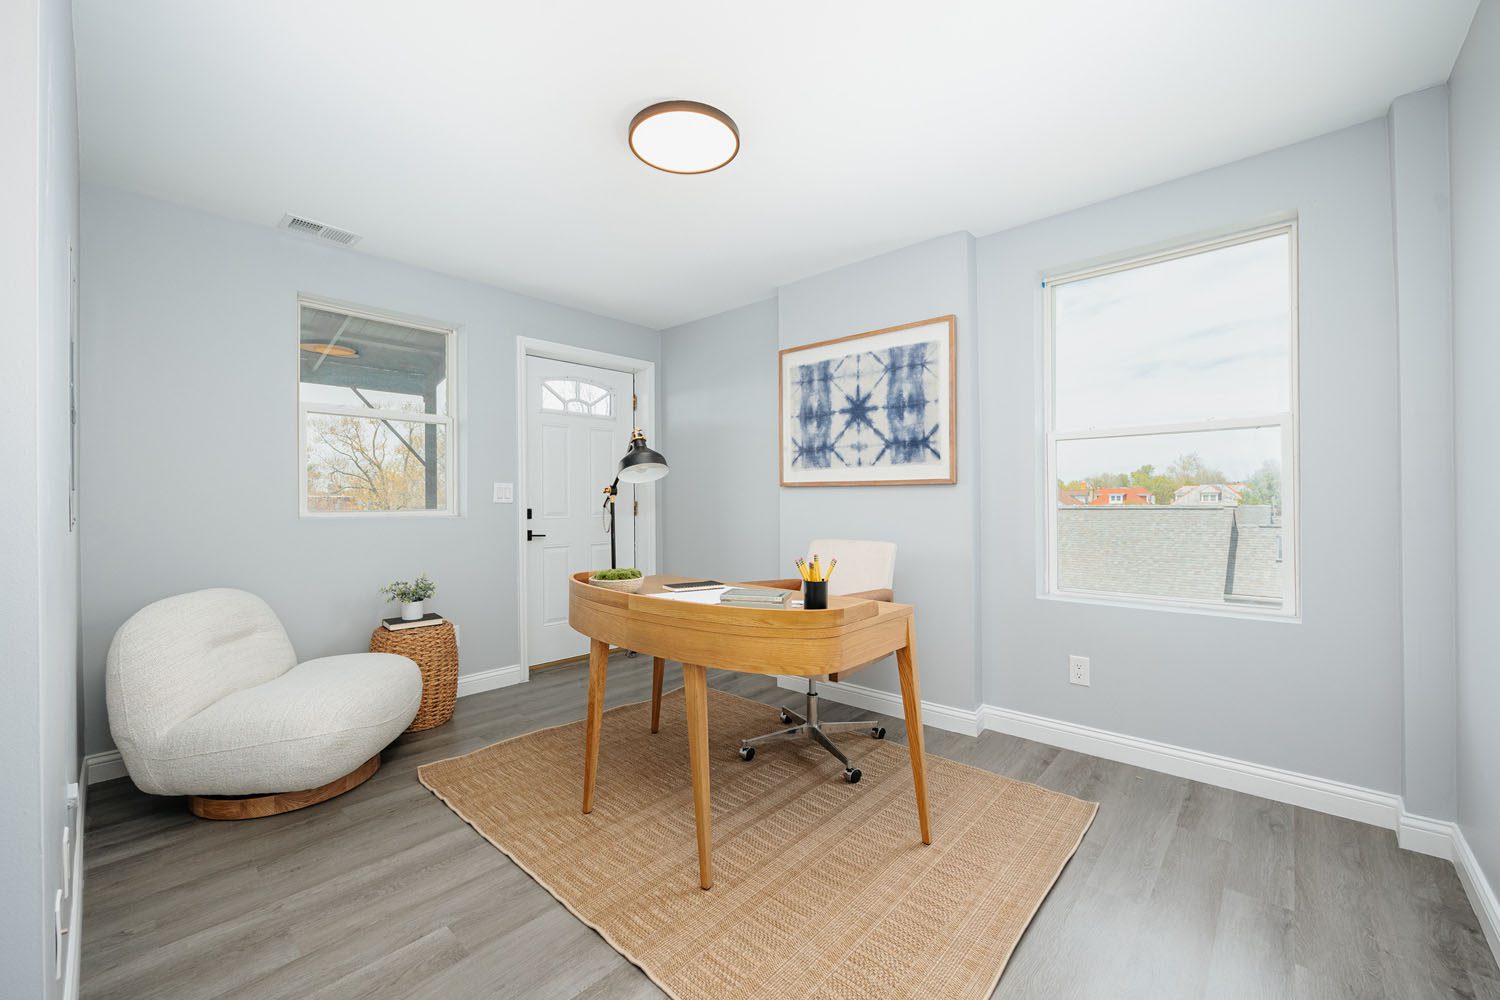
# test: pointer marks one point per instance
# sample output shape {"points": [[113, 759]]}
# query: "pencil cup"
{"points": [[815, 595]]}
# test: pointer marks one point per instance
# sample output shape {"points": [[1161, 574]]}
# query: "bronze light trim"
{"points": [[692, 107]]}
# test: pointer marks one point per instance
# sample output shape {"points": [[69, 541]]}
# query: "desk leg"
{"points": [[598, 666], [695, 680], [658, 667], [911, 701]]}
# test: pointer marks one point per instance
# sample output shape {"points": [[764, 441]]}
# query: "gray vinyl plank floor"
{"points": [[1179, 889]]}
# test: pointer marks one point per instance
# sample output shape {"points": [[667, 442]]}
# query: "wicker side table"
{"points": [[435, 650]]}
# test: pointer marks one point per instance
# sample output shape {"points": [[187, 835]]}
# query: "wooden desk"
{"points": [[794, 642]]}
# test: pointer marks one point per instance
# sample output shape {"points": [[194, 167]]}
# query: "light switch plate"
{"points": [[505, 493]]}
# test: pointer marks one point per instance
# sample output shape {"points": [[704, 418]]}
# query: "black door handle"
{"points": [[533, 534]]}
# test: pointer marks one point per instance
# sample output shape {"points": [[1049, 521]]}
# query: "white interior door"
{"points": [[578, 424]]}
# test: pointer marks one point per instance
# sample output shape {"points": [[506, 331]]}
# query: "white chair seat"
{"points": [[317, 721]]}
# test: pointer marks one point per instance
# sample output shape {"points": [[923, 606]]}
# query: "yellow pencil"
{"points": [[802, 568], [817, 571], [831, 564]]}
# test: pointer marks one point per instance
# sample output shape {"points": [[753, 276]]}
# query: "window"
{"points": [[1198, 346], [571, 395], [376, 404]]}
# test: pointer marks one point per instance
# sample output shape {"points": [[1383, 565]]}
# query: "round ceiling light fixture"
{"points": [[329, 350], [684, 137]]}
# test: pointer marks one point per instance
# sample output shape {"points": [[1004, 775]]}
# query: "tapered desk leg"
{"points": [[658, 667], [911, 701], [598, 666], [695, 683]]}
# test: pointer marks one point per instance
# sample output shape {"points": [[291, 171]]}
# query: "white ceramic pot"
{"points": [[411, 611]]}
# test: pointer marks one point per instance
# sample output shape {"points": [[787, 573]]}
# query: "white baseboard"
{"points": [[104, 766], [489, 680], [73, 966], [1365, 805], [946, 717], [1336, 798], [1426, 835], [1480, 890]]}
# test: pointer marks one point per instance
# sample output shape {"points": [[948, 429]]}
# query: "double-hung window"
{"points": [[1173, 378], [376, 413]]}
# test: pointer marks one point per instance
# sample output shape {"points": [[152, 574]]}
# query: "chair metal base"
{"points": [[808, 727]]}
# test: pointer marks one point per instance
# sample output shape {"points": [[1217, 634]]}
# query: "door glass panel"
{"points": [[576, 396]]}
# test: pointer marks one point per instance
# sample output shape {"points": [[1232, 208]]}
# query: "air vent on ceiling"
{"points": [[318, 230]]}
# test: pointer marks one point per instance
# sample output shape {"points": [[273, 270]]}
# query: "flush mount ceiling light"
{"points": [[329, 350], [684, 137]]}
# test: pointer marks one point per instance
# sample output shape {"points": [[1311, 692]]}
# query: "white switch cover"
{"points": [[1078, 670], [505, 493]]}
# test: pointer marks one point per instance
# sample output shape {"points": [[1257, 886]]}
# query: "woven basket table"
{"points": [[435, 650]]}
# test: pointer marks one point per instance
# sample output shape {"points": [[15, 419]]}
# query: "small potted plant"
{"points": [[411, 595], [628, 579]]}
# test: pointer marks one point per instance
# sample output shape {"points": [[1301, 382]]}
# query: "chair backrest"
{"points": [[174, 658], [863, 565]]}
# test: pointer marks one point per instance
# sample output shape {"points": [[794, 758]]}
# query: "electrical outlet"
{"points": [[1078, 670]]}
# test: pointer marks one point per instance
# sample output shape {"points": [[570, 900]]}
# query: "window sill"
{"points": [[334, 515], [1242, 613]]}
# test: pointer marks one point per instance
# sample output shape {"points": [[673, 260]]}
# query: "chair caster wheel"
{"points": [[747, 753], [785, 719], [877, 732], [852, 775]]}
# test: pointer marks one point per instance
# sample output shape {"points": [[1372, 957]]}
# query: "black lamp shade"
{"points": [[641, 464]]}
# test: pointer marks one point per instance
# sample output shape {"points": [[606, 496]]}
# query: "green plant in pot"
{"points": [[627, 578], [411, 595]]}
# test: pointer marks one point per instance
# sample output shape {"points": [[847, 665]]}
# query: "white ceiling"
{"points": [[487, 140]]}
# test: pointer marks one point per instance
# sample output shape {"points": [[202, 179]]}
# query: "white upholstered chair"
{"points": [[865, 569], [206, 698]]}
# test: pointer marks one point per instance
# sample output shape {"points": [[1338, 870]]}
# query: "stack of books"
{"points": [[400, 624], [747, 597]]}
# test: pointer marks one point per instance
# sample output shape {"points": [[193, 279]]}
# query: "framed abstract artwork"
{"points": [[872, 409]]}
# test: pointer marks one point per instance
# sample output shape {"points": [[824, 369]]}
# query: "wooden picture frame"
{"points": [[867, 448]]}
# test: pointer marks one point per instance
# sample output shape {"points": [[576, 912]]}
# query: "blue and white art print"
{"points": [[873, 409]]}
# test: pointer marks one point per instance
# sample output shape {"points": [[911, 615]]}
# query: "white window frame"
{"points": [[1286, 422], [448, 419]]}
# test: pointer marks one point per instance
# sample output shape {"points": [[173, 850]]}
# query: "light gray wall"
{"points": [[721, 512], [1475, 152], [933, 526], [1424, 318], [191, 432], [1323, 696], [39, 710]]}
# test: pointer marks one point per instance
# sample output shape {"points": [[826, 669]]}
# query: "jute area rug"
{"points": [[821, 888]]}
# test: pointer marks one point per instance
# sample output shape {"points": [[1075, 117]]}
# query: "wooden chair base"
{"points": [[259, 806]]}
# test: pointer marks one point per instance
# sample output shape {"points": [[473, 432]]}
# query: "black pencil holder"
{"points": [[815, 595]]}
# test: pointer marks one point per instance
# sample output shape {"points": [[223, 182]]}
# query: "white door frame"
{"points": [[647, 536]]}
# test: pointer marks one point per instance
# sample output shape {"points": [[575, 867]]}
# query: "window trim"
{"points": [[1290, 567], [448, 420]]}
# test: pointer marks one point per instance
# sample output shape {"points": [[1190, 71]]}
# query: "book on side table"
{"points": [[399, 624]]}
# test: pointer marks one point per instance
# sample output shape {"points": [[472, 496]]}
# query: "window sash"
{"points": [[448, 420], [1287, 422]]}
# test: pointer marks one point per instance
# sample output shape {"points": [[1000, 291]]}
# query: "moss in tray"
{"points": [[630, 573]]}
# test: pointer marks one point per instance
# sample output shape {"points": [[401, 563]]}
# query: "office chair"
{"points": [[866, 569]]}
